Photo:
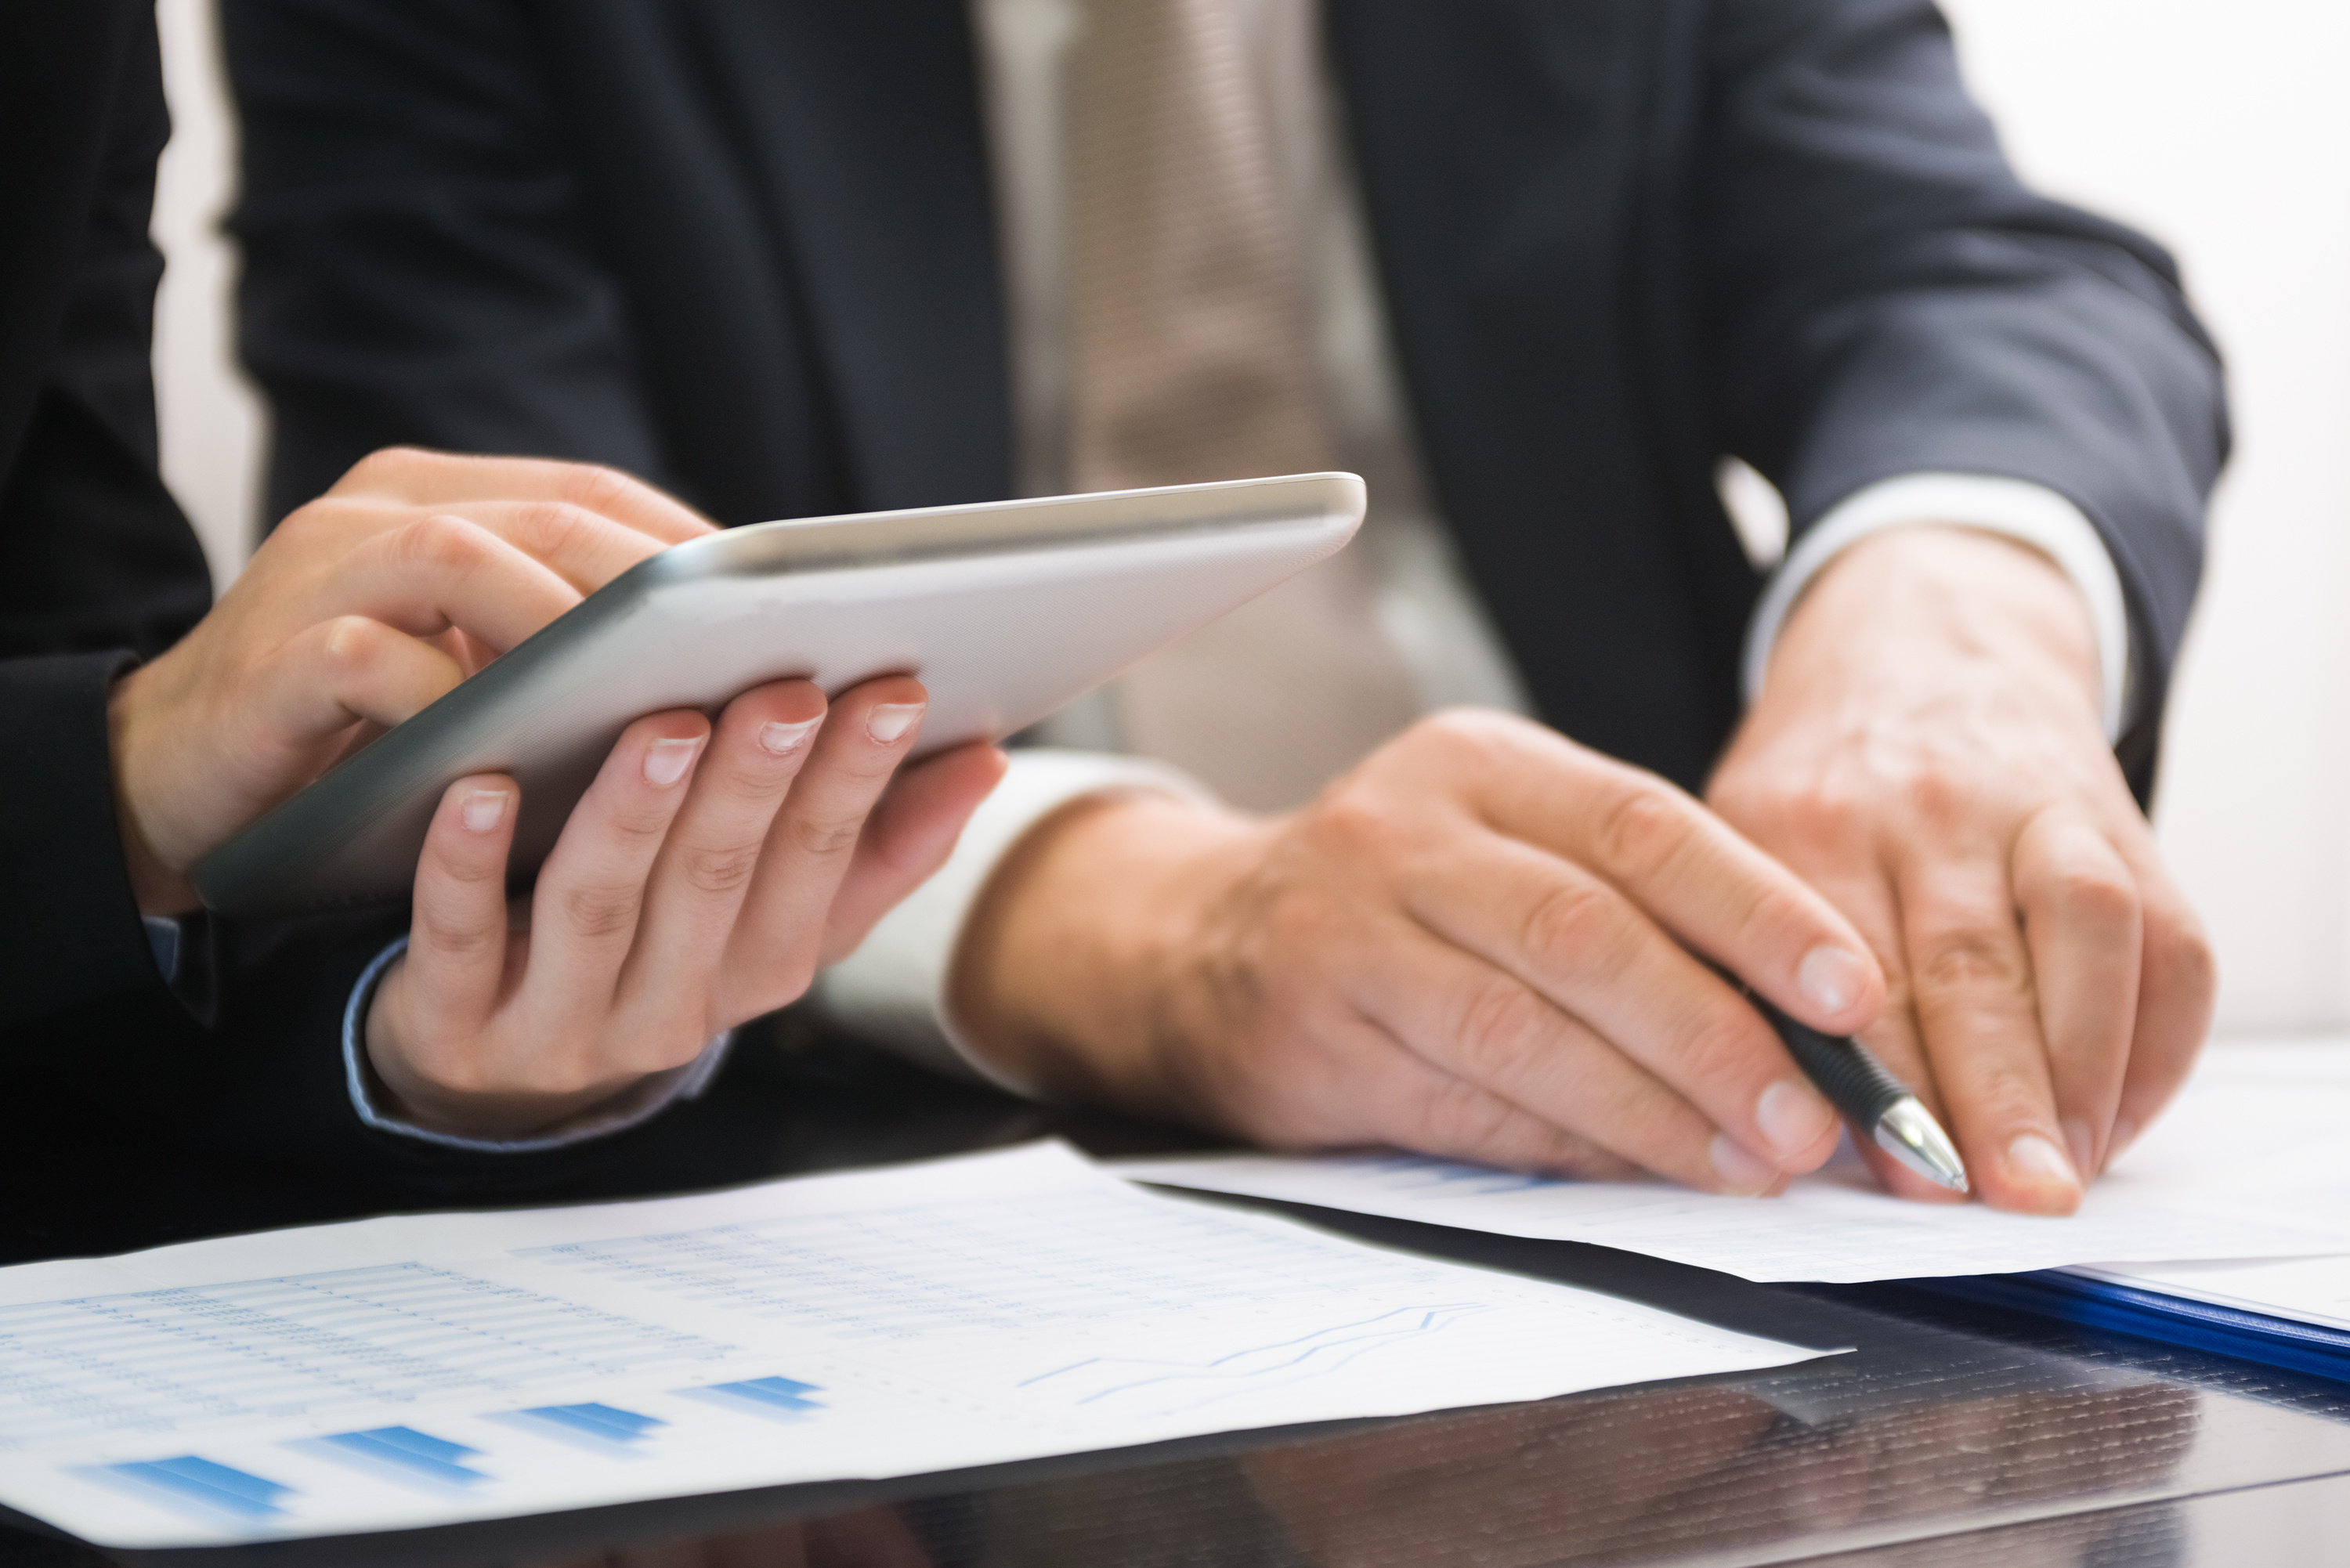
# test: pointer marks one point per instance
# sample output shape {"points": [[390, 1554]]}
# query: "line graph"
{"points": [[1176, 1383]]}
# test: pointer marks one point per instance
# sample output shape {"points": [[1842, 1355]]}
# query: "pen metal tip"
{"points": [[1908, 1132]]}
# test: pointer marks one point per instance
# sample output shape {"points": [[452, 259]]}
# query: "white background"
{"points": [[2220, 128]]}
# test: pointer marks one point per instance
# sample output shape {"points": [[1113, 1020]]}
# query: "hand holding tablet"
{"points": [[701, 881], [1004, 611]]}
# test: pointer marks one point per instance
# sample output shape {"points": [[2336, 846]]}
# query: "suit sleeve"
{"points": [[98, 568], [417, 263], [1888, 299], [97, 571]]}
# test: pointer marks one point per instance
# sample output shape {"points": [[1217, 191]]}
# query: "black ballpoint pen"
{"points": [[1872, 1099]]}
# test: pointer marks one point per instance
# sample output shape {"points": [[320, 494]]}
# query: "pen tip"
{"points": [[1909, 1133]]}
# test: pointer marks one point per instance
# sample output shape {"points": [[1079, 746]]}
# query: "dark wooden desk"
{"points": [[1950, 1436]]}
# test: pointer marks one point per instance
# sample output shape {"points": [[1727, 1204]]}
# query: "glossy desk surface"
{"points": [[1950, 1436]]}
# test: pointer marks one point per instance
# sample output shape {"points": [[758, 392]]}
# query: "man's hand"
{"points": [[699, 882], [1479, 943], [1927, 753], [359, 609]]}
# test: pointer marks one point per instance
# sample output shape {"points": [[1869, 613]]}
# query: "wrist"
{"points": [[160, 886], [1069, 973], [1904, 607]]}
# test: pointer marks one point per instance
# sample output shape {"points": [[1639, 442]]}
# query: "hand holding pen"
{"points": [[1876, 1105]]}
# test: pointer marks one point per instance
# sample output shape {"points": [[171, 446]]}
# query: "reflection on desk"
{"points": [[1952, 1435]]}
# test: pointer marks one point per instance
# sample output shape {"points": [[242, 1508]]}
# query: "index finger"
{"points": [[1692, 873], [422, 478]]}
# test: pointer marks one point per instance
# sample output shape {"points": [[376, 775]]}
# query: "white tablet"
{"points": [[1006, 611]]}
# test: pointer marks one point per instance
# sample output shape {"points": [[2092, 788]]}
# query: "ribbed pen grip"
{"points": [[1852, 1079]]}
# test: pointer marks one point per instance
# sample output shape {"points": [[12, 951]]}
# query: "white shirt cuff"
{"points": [[647, 1098], [892, 990], [2014, 508]]}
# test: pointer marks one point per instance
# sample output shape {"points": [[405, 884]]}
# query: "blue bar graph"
{"points": [[405, 1453], [213, 1488], [777, 1398], [599, 1426]]}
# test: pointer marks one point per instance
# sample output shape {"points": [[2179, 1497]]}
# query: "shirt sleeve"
{"points": [[891, 992], [648, 1098], [2029, 514]]}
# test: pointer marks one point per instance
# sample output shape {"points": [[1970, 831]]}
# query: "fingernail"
{"points": [[891, 719], [1792, 1116], [2035, 1159], [666, 761], [2081, 1143], [483, 809], [1742, 1175], [1831, 977], [782, 740]]}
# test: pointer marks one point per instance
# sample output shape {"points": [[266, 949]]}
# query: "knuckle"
{"points": [[2096, 895], [468, 866], [1455, 744], [2008, 1093], [826, 835], [442, 541], [1499, 1026], [632, 825], [1724, 1049], [552, 526], [448, 936], [1457, 730], [1642, 829], [1972, 960], [718, 868], [379, 467], [1571, 918], [601, 910], [748, 774], [2180, 952], [1826, 824], [1932, 798], [1769, 914], [596, 486], [1353, 816]]}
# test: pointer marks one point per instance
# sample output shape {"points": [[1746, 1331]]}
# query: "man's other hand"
{"points": [[1927, 753], [1484, 941]]}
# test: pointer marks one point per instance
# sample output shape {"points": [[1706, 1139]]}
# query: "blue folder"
{"points": [[2171, 1320]]}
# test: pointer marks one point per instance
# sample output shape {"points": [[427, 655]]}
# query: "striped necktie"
{"points": [[1192, 361]]}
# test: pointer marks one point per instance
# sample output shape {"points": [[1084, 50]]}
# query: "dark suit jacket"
{"points": [[107, 1076], [746, 247], [97, 570]]}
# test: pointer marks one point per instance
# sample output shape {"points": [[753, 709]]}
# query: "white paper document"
{"points": [[419, 1370], [2306, 1083], [2254, 1161]]}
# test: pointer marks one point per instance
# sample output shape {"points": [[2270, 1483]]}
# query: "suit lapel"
{"points": [[1498, 142], [864, 124]]}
